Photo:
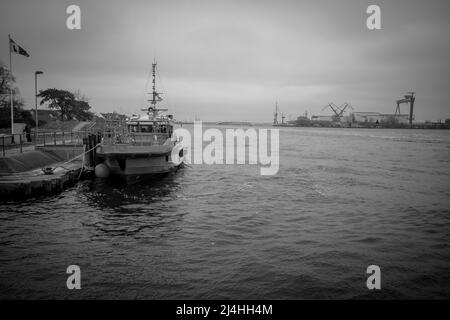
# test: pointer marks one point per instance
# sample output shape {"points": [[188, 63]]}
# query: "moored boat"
{"points": [[142, 145]]}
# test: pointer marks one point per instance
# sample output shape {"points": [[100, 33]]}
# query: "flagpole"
{"points": [[11, 89]]}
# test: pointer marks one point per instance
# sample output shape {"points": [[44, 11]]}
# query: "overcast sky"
{"points": [[230, 60]]}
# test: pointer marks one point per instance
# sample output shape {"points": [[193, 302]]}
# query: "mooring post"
{"points": [[89, 146], [90, 149], [20, 139], [86, 144], [94, 151]]}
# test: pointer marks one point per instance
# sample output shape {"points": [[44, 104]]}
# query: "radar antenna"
{"points": [[156, 96]]}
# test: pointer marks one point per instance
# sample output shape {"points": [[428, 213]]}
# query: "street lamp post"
{"points": [[36, 96]]}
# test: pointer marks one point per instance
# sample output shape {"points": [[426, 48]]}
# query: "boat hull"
{"points": [[126, 161], [140, 166]]}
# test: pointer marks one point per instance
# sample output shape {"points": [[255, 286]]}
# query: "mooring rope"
{"points": [[83, 154], [80, 155]]}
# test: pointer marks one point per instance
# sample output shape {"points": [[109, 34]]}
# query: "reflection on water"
{"points": [[118, 193], [128, 207]]}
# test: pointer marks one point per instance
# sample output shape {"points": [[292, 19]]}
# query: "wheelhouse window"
{"points": [[149, 128], [135, 128]]}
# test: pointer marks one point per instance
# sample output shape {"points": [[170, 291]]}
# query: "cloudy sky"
{"points": [[231, 60]]}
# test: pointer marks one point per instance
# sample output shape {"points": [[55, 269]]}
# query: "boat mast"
{"points": [[155, 95]]}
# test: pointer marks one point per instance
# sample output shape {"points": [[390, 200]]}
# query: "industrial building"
{"points": [[322, 118], [377, 117], [369, 118], [355, 119]]}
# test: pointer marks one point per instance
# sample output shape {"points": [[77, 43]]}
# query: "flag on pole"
{"points": [[14, 47]]}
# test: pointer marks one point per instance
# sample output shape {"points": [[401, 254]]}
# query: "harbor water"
{"points": [[343, 199]]}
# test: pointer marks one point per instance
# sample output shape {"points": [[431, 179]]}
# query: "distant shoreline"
{"points": [[434, 126]]}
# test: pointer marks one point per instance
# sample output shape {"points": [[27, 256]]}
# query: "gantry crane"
{"points": [[409, 98]]}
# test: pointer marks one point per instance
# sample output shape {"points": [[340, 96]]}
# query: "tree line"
{"points": [[64, 104]]}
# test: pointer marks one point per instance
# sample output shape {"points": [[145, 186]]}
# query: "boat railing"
{"points": [[149, 138], [135, 139]]}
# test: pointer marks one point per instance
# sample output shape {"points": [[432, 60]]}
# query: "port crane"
{"points": [[409, 98], [275, 116], [338, 111]]}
